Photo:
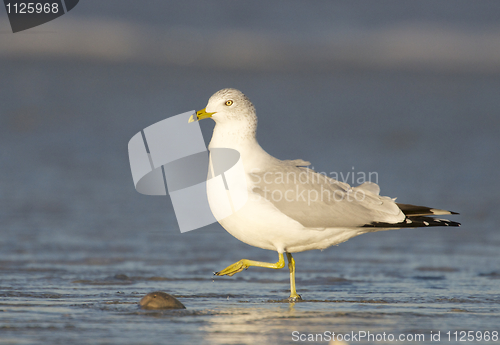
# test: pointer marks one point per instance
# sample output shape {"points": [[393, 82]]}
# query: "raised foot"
{"points": [[234, 268], [243, 264], [294, 298]]}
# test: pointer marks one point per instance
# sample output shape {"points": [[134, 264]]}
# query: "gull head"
{"points": [[228, 106]]}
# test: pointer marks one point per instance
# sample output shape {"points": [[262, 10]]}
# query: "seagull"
{"points": [[290, 207]]}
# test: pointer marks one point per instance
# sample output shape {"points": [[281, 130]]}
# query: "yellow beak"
{"points": [[200, 115]]}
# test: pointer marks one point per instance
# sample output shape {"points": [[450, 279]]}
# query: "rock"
{"points": [[160, 300]]}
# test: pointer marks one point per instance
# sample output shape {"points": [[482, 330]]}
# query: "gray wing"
{"points": [[317, 201]]}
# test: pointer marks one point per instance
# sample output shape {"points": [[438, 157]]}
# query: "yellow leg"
{"points": [[243, 264], [294, 296]]}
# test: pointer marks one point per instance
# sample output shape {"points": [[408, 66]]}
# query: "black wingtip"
{"points": [[414, 222], [414, 210]]}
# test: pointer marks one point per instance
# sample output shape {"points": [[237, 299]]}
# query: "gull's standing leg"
{"points": [[243, 264], [294, 296]]}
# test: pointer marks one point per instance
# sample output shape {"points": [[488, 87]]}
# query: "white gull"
{"points": [[290, 207]]}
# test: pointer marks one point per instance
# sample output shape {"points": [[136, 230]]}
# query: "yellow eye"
{"points": [[228, 103]]}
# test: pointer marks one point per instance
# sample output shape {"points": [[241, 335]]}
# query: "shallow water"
{"points": [[406, 282]]}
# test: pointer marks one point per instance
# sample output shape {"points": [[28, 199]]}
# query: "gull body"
{"points": [[291, 208]]}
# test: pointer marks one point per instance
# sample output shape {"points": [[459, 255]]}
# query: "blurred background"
{"points": [[409, 90]]}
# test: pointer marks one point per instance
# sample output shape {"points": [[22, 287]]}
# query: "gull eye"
{"points": [[229, 103]]}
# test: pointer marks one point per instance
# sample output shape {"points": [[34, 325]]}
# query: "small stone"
{"points": [[160, 300]]}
